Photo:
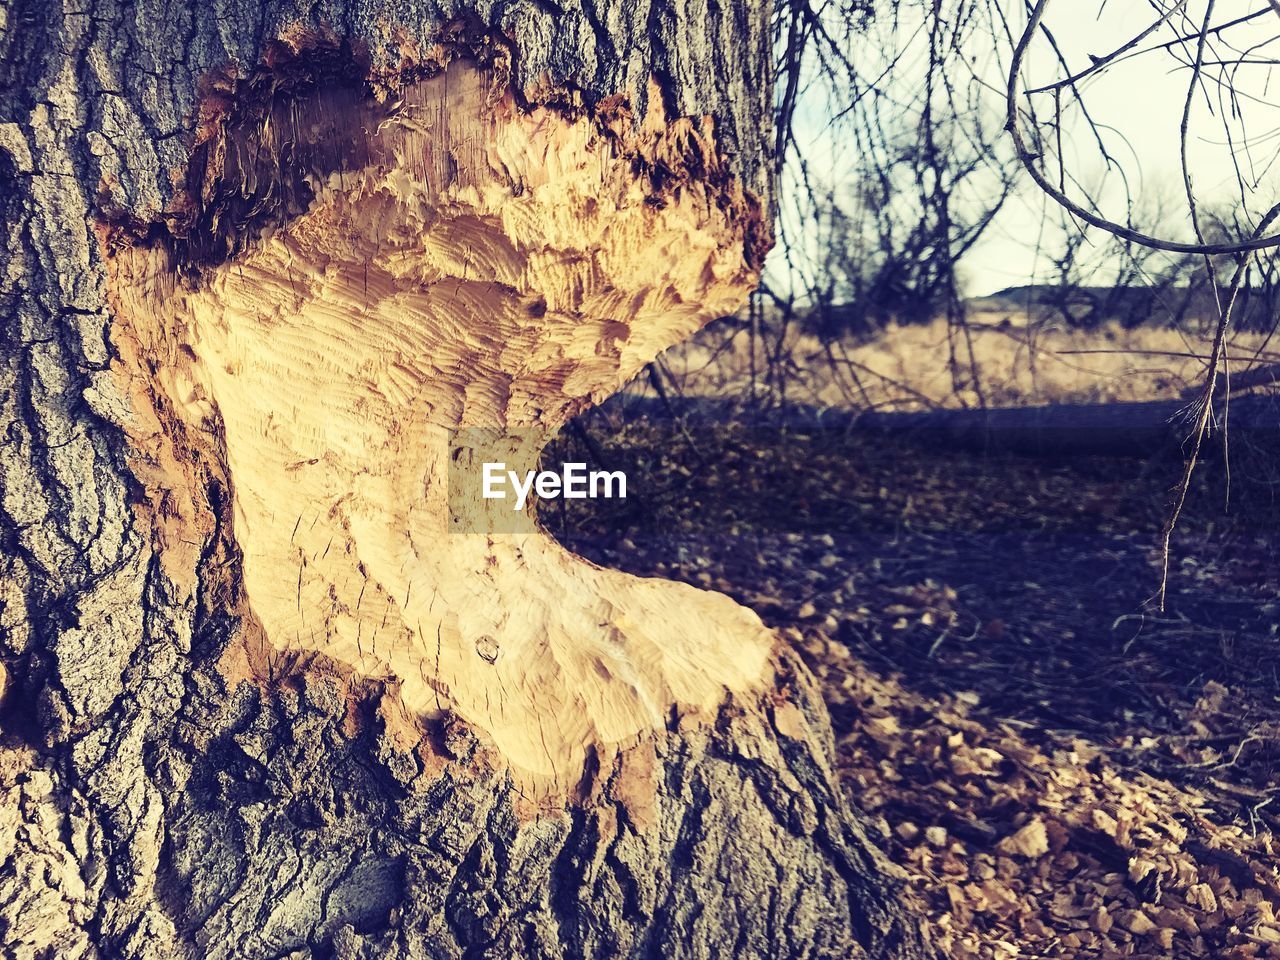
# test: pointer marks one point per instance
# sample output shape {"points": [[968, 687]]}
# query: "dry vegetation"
{"points": [[908, 367]]}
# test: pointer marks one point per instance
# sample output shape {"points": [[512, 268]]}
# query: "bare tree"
{"points": [[1204, 46]]}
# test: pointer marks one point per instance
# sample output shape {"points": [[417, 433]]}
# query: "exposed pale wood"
{"points": [[483, 267], [173, 783]]}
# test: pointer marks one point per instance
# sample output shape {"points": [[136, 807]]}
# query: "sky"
{"points": [[1137, 103]]}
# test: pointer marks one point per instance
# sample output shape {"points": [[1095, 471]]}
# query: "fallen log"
{"points": [[1143, 429]]}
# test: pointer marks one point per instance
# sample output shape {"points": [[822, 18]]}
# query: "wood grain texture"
{"points": [[480, 267], [160, 797]]}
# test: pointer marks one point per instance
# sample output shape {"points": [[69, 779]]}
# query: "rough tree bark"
{"points": [[260, 262]]}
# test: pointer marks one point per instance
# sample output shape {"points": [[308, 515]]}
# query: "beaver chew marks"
{"points": [[479, 266]]}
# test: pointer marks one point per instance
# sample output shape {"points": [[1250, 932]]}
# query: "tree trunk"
{"points": [[276, 681]]}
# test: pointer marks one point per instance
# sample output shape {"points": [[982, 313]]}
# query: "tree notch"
{"points": [[462, 262]]}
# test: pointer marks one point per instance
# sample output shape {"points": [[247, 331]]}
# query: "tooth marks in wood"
{"points": [[418, 293]]}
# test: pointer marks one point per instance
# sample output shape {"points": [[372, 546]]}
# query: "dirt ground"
{"points": [[1061, 768]]}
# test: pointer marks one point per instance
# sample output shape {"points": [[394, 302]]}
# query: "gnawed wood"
{"points": [[481, 267], [167, 806]]}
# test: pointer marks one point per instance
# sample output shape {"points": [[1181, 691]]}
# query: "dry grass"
{"points": [[908, 367]]}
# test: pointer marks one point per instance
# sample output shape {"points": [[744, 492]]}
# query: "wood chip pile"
{"points": [[1019, 845]]}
